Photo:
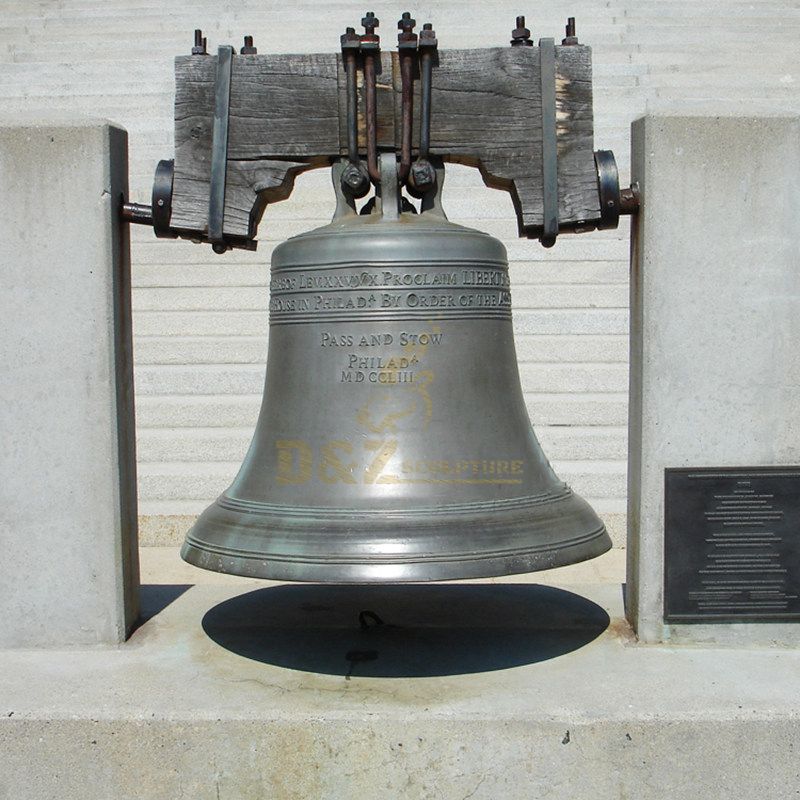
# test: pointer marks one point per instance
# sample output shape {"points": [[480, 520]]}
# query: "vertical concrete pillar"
{"points": [[68, 558], [715, 324]]}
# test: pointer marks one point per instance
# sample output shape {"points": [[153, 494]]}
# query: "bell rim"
{"points": [[523, 534], [439, 567]]}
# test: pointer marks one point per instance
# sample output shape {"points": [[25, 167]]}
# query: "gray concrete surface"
{"points": [[68, 571], [480, 690], [715, 323]]}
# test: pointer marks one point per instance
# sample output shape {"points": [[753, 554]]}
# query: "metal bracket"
{"points": [[219, 149], [547, 76], [608, 189], [162, 199]]}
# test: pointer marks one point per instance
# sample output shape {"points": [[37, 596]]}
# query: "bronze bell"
{"points": [[393, 442]]}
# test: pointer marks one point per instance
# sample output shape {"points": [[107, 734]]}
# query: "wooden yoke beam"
{"points": [[288, 114]]}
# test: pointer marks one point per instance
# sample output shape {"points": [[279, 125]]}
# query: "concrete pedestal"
{"points": [[715, 327], [69, 569], [238, 688]]}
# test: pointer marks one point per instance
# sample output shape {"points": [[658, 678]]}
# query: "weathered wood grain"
{"points": [[287, 115]]}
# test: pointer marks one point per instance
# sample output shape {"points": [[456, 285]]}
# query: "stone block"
{"points": [[69, 569], [715, 325]]}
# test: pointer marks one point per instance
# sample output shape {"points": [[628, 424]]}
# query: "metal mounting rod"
{"points": [[371, 47], [350, 45], [137, 213], [354, 178], [423, 175], [407, 47], [425, 80]]}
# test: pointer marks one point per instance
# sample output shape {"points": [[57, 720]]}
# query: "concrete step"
{"points": [[232, 683]]}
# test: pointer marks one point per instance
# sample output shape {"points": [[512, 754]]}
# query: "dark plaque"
{"points": [[732, 545]]}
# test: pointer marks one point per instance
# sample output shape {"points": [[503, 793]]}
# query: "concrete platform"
{"points": [[513, 688]]}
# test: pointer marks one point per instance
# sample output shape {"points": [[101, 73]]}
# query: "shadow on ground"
{"points": [[405, 631], [155, 597]]}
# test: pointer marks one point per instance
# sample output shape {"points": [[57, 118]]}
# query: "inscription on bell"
{"points": [[330, 291], [404, 338]]}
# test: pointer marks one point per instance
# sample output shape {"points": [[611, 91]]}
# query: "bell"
{"points": [[393, 442]]}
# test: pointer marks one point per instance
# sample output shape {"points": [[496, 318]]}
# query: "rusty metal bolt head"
{"points": [[350, 39], [427, 37], [248, 49], [370, 22], [570, 38], [355, 180], [406, 25], [370, 39], [422, 176], [521, 36], [199, 48]]}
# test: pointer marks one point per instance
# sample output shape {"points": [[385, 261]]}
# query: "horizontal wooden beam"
{"points": [[287, 115]]}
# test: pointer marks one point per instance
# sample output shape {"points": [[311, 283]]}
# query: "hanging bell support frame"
{"points": [[462, 95]]}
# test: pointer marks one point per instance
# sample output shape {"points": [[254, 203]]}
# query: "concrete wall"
{"points": [[200, 320]]}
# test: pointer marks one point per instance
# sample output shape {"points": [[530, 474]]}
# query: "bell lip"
{"points": [[485, 564]]}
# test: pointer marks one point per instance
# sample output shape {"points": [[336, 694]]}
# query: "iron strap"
{"points": [[547, 76], [219, 146]]}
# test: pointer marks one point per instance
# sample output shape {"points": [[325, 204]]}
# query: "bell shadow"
{"points": [[412, 630]]}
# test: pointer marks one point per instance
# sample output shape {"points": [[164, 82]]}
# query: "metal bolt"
{"points": [[629, 199], [355, 180], [521, 36], [405, 23], [350, 39], [248, 49], [406, 38], [570, 38], [427, 37], [423, 175], [199, 48], [370, 22]]}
